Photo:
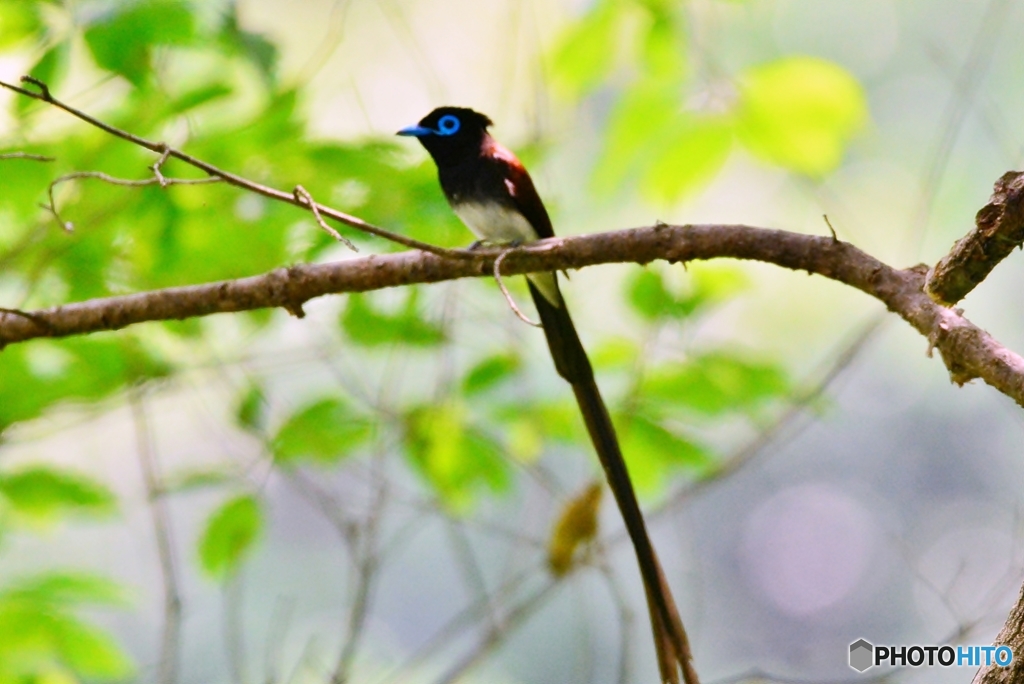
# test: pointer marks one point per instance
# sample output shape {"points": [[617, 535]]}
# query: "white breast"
{"points": [[495, 223], [498, 224]]}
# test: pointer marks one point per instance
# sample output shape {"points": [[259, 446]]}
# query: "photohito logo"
{"points": [[864, 655]]}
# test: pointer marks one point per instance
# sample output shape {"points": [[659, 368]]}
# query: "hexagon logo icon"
{"points": [[861, 655]]}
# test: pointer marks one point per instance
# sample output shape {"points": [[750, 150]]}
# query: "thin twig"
{"points": [[155, 168], [329, 44], [801, 400], [158, 179], [171, 639], [368, 574], [459, 623], [626, 618], [234, 635], [495, 637], [27, 155], [361, 541], [280, 621], [508, 295], [345, 525], [306, 199], [759, 676], [307, 664], [832, 230], [238, 181], [473, 574], [965, 88]]}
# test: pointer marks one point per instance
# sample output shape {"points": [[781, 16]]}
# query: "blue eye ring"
{"points": [[448, 125]]}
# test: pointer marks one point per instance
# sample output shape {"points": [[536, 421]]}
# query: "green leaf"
{"points": [[50, 68], [198, 479], [370, 327], [800, 113], [62, 589], [641, 119], [456, 458], [714, 283], [229, 536], [586, 52], [252, 46], [251, 414], [18, 21], [524, 439], [693, 151], [650, 297], [653, 453], [207, 92], [559, 420], [324, 431], [707, 285], [122, 41], [44, 492], [36, 374], [534, 423], [615, 352], [91, 652], [24, 184], [490, 372], [715, 383], [36, 638], [664, 48], [172, 243]]}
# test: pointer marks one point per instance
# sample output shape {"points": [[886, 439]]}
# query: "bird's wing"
{"points": [[521, 190]]}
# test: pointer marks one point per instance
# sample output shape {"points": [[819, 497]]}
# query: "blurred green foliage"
{"points": [[367, 326], [324, 431], [229, 536], [664, 136], [38, 375], [41, 638], [799, 113], [456, 456], [671, 129], [44, 493], [123, 40], [490, 372]]}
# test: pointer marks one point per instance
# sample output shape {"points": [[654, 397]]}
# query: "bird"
{"points": [[492, 193]]}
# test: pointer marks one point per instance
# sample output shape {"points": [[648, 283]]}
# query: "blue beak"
{"points": [[415, 131]]}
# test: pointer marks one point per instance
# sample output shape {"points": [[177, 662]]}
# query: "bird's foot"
{"points": [[484, 244]]}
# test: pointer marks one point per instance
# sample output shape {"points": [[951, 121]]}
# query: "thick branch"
{"points": [[968, 351], [999, 228], [1012, 635]]}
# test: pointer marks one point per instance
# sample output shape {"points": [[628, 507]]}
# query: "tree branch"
{"points": [[170, 639], [967, 351], [165, 152], [999, 229], [157, 179], [1012, 635], [26, 155]]}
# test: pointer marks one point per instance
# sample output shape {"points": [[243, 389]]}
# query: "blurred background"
{"points": [[368, 494]]}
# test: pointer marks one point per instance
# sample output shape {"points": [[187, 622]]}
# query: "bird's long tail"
{"points": [[670, 640]]}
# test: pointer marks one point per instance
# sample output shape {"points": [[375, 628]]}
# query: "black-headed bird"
{"points": [[492, 193]]}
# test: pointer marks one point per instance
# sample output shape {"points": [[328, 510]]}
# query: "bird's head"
{"points": [[451, 135]]}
